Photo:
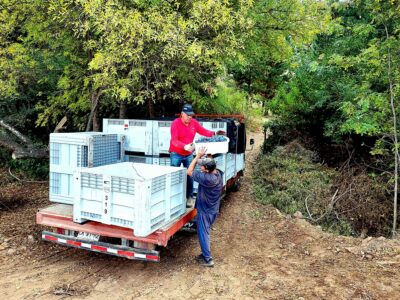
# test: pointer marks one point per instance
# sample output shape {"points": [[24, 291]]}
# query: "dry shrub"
{"points": [[289, 176], [348, 201], [366, 202]]}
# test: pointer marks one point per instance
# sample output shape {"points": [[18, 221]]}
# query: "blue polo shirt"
{"points": [[209, 192]]}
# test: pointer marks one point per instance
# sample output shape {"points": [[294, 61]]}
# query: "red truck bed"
{"points": [[59, 216]]}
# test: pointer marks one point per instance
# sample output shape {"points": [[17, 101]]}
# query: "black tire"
{"points": [[235, 186]]}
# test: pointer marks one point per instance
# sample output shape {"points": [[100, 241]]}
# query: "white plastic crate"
{"points": [[213, 147], [161, 137], [230, 166], [69, 151], [138, 133], [139, 159], [162, 161], [162, 133], [138, 196], [240, 163], [213, 126]]}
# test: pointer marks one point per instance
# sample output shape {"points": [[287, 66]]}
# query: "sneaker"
{"points": [[205, 263], [199, 258], [190, 202]]}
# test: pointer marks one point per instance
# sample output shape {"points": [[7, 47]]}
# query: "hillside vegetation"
{"points": [[324, 73]]}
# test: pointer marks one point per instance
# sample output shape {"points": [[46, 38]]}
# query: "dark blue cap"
{"points": [[208, 163], [188, 109]]}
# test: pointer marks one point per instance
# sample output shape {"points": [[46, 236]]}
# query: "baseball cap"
{"points": [[188, 109], [208, 163]]}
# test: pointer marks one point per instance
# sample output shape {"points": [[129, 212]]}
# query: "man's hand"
{"points": [[201, 151], [220, 132], [189, 147]]}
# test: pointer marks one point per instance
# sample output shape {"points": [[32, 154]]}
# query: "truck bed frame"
{"points": [[59, 217]]}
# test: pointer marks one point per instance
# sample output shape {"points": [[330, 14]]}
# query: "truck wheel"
{"points": [[236, 186]]}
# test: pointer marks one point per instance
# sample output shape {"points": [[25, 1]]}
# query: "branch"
{"points": [[15, 132], [328, 210], [27, 149]]}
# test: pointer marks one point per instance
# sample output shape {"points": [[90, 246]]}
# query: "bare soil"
{"points": [[259, 254]]}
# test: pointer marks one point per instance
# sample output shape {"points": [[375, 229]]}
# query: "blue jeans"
{"points": [[176, 161], [204, 222]]}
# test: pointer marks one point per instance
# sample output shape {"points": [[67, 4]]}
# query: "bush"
{"points": [[28, 169], [348, 201], [289, 176], [36, 169]]}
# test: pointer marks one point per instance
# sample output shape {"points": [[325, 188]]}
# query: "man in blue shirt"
{"points": [[207, 201]]}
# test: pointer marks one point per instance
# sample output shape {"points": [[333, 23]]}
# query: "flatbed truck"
{"points": [[57, 219], [110, 239]]}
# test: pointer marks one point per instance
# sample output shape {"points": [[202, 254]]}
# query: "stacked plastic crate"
{"points": [[71, 151], [142, 197], [147, 141]]}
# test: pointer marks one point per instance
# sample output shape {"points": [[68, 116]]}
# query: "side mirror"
{"points": [[251, 142]]}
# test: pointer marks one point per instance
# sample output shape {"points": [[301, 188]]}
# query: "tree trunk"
{"points": [[96, 120], [396, 146], [122, 110], [93, 121], [150, 105]]}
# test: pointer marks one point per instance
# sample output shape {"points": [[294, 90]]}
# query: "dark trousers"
{"points": [[204, 222]]}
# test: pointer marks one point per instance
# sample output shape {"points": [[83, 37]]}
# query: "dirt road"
{"points": [[259, 254]]}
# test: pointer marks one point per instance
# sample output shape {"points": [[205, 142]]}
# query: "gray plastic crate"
{"points": [[69, 151], [143, 197]]}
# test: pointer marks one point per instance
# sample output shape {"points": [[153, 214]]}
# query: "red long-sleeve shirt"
{"points": [[182, 135]]}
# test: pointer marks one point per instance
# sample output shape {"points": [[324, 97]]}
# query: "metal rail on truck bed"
{"points": [[59, 216]]}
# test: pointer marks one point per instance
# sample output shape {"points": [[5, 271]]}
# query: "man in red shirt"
{"points": [[183, 131]]}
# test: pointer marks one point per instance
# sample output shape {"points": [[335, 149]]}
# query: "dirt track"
{"points": [[259, 254]]}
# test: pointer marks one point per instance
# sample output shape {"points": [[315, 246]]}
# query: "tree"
{"points": [[276, 29], [347, 81]]}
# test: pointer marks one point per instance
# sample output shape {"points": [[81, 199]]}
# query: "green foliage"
{"points": [[340, 85], [291, 179], [27, 169], [275, 134], [61, 57], [274, 30], [289, 176], [31, 169], [227, 98], [337, 227], [4, 157]]}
